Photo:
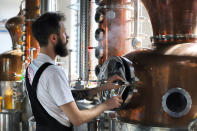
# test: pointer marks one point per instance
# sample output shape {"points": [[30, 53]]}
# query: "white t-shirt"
{"points": [[53, 89]]}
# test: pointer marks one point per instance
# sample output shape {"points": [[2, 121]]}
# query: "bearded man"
{"points": [[51, 99]]}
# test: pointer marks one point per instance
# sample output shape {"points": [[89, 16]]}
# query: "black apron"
{"points": [[44, 122]]}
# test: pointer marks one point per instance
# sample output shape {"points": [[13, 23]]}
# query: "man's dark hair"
{"points": [[45, 25]]}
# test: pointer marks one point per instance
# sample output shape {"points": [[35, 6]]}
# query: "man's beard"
{"points": [[60, 48]]}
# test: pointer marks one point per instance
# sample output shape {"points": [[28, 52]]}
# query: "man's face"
{"points": [[60, 48]]}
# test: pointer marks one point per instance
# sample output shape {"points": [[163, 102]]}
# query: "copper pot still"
{"points": [[11, 66], [15, 27], [25, 47], [166, 75], [11, 61]]}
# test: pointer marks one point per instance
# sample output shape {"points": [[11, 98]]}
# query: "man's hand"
{"points": [[114, 102]]}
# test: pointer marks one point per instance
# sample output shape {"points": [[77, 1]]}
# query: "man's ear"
{"points": [[53, 38]]}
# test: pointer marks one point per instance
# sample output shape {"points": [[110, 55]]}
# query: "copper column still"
{"points": [[32, 12], [113, 33], [167, 75]]}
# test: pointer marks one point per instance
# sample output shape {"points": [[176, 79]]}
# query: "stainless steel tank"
{"points": [[32, 124], [10, 120]]}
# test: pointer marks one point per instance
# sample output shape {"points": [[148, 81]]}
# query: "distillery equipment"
{"points": [[11, 65], [32, 11], [114, 39], [15, 109], [10, 120], [11, 61], [114, 28], [164, 76], [193, 125], [32, 124]]}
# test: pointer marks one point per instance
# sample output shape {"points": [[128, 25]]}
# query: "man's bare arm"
{"points": [[77, 117]]}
